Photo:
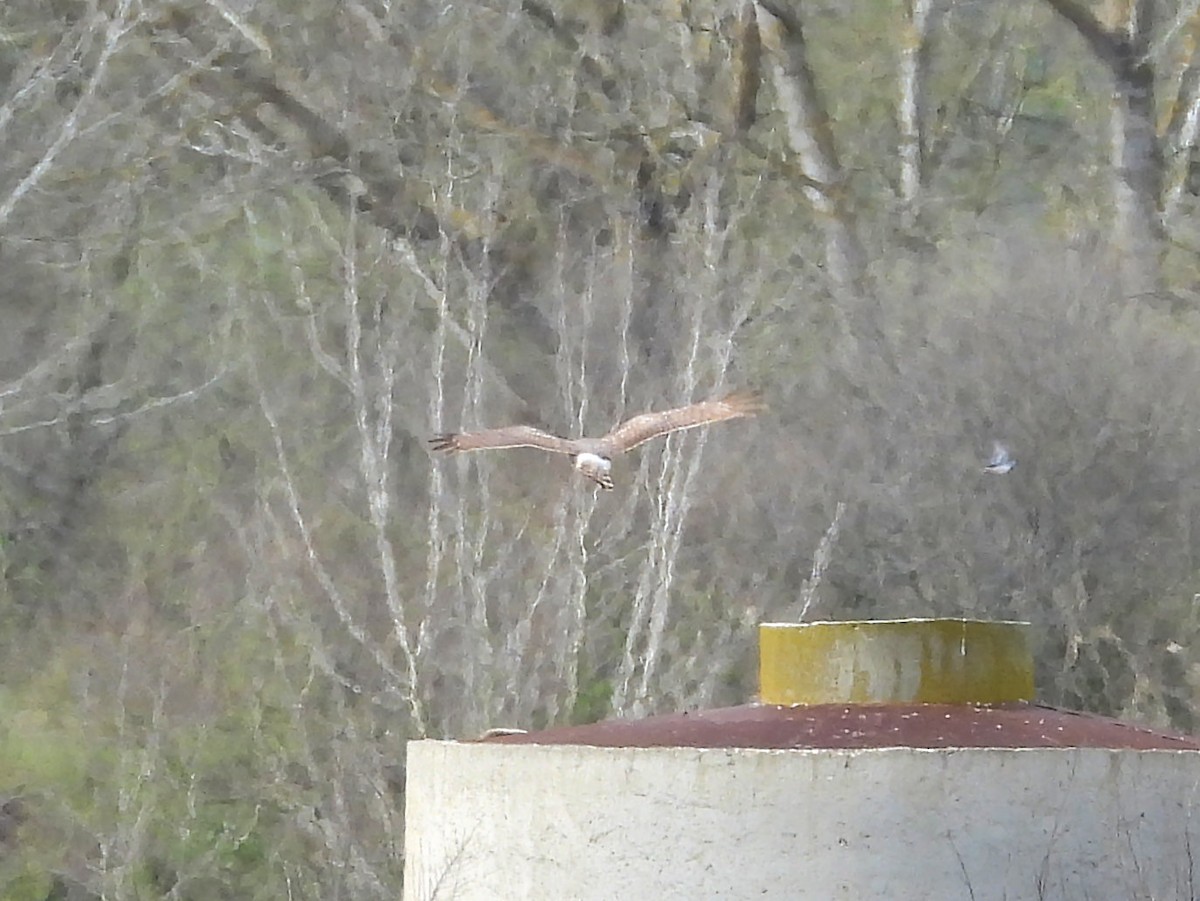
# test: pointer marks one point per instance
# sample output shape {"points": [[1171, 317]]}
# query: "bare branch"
{"points": [[115, 29], [1109, 47]]}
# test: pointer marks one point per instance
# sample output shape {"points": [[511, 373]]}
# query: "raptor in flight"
{"points": [[593, 456]]}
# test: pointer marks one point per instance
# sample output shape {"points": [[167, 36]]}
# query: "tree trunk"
{"points": [[811, 139], [1136, 151]]}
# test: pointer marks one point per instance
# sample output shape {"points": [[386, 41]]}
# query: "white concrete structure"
{"points": [[888, 782], [493, 822]]}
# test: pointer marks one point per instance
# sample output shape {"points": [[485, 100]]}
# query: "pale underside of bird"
{"points": [[593, 457]]}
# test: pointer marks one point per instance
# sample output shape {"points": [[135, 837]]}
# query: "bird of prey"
{"points": [[593, 456], [1001, 461]]}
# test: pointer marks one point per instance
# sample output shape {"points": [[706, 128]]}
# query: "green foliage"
{"points": [[593, 703], [44, 742]]}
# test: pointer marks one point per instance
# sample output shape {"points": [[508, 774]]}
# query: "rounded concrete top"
{"points": [[908, 661], [864, 726]]}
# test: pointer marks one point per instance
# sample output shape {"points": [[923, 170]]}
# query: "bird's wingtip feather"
{"points": [[746, 401]]}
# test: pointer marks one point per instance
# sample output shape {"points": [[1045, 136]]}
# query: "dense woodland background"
{"points": [[252, 254]]}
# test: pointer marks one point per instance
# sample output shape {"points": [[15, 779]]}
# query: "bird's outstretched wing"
{"points": [[640, 429], [495, 439]]}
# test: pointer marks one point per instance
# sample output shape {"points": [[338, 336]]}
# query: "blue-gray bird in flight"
{"points": [[1001, 462]]}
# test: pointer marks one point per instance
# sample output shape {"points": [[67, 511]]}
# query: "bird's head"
{"points": [[596, 468]]}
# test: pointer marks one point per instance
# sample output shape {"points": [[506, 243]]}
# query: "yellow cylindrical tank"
{"points": [[929, 661]]}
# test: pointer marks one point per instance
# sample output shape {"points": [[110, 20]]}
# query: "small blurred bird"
{"points": [[1001, 461]]}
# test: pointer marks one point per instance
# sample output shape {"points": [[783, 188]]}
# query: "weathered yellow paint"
{"points": [[912, 661]]}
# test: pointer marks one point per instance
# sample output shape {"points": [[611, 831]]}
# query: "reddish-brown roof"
{"points": [[864, 726]]}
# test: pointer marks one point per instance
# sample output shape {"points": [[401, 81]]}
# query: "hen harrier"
{"points": [[593, 456]]}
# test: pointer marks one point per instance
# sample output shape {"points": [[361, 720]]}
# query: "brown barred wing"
{"points": [[498, 439], [641, 429]]}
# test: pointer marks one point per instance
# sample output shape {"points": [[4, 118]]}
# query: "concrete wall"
{"points": [[489, 821]]}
